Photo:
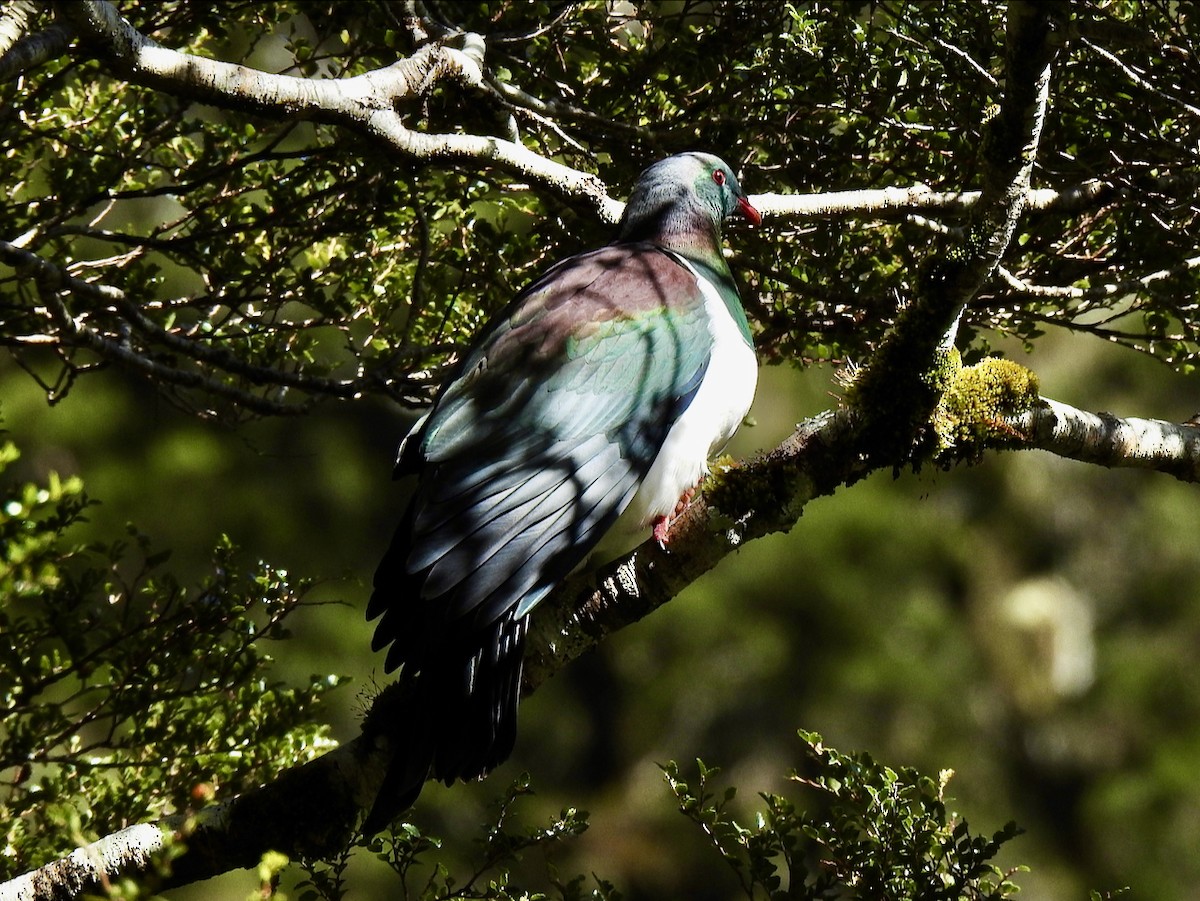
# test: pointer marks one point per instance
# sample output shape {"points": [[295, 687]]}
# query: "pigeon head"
{"points": [[681, 202]]}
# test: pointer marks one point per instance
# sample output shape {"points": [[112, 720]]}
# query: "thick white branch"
{"points": [[149, 61], [920, 198], [14, 22], [1107, 440], [366, 102], [129, 850]]}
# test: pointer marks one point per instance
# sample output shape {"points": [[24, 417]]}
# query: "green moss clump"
{"points": [[766, 494], [976, 404], [752, 489]]}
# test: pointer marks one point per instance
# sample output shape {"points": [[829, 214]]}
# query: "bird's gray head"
{"points": [[681, 195]]}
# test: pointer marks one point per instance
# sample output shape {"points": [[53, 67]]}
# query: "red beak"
{"points": [[749, 212]]}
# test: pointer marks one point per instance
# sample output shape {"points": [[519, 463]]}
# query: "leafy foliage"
{"points": [[127, 696], [264, 264], [414, 857], [879, 833], [871, 832]]}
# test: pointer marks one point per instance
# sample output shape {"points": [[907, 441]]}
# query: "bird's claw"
{"points": [[662, 525]]}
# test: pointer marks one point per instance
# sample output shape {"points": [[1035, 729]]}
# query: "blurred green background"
{"points": [[1031, 623]]}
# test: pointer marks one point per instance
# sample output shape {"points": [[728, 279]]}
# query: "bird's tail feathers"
{"points": [[458, 721], [479, 722]]}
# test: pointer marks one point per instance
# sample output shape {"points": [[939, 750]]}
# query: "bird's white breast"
{"points": [[721, 403]]}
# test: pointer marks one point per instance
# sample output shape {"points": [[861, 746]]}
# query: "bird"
{"points": [[591, 404]]}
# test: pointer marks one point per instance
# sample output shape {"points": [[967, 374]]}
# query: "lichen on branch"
{"points": [[976, 408]]}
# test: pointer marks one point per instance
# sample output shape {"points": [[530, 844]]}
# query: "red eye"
{"points": [[719, 176]]}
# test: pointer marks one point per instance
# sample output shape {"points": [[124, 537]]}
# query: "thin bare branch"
{"points": [[1138, 78], [52, 279], [1095, 292]]}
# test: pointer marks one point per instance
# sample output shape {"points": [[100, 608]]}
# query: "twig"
{"points": [[1095, 292], [1138, 79]]}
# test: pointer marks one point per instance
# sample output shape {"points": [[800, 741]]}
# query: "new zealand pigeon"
{"points": [[601, 390]]}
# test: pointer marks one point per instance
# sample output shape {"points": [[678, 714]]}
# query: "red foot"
{"points": [[662, 525]]}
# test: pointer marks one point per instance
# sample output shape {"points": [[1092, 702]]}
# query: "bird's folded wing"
{"points": [[539, 442]]}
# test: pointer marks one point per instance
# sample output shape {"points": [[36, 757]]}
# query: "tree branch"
{"points": [[52, 279], [1095, 292], [1012, 140], [1107, 440], [902, 385], [921, 198], [14, 23], [21, 50], [130, 850], [1139, 79], [366, 103]]}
